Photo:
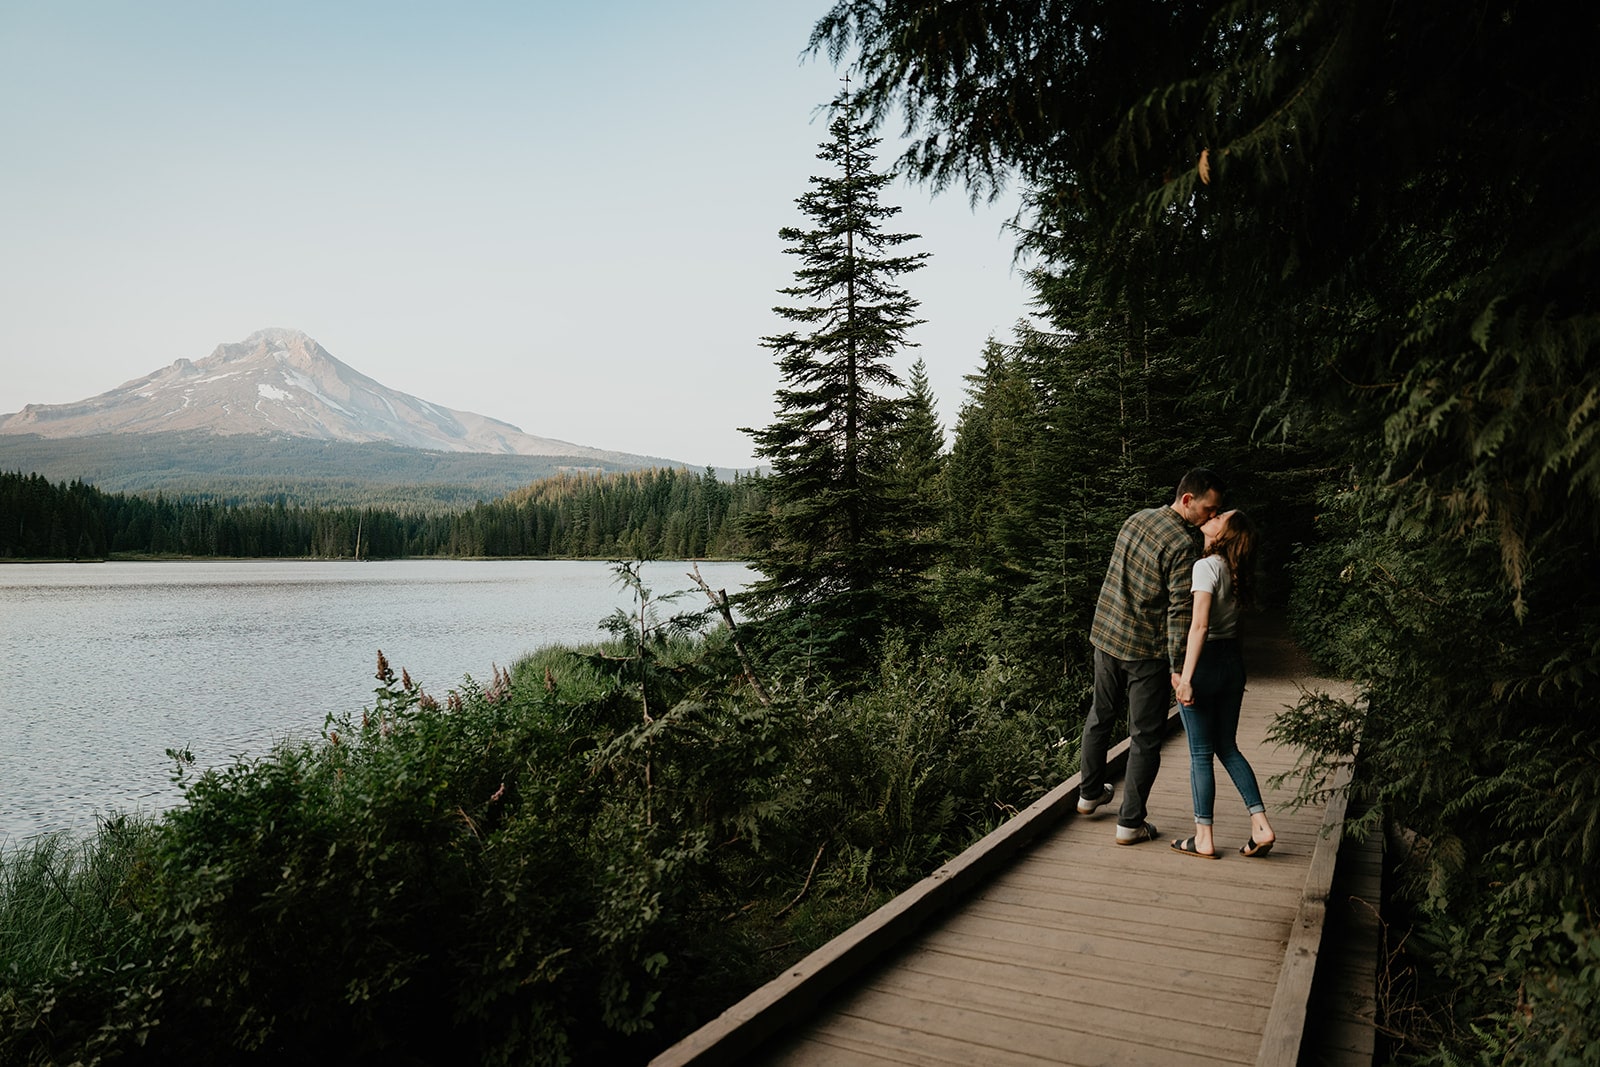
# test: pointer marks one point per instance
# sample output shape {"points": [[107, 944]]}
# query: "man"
{"points": [[1141, 623]]}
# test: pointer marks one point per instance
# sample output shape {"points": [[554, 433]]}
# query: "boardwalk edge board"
{"points": [[1286, 1024], [794, 994]]}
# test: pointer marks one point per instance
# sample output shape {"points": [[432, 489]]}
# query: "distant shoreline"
{"points": [[140, 558]]}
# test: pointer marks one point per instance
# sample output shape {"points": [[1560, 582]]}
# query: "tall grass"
{"points": [[66, 901], [74, 946]]}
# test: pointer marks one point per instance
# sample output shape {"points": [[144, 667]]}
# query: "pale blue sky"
{"points": [[560, 215]]}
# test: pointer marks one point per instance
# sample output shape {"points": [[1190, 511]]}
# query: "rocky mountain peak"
{"points": [[281, 382], [278, 337]]}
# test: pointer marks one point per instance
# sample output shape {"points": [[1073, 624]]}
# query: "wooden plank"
{"points": [[1113, 988], [941, 1031], [1341, 1028], [1095, 951], [1211, 887], [1215, 1015], [891, 1045], [844, 1051], [1163, 877], [1280, 1041], [1160, 915]]}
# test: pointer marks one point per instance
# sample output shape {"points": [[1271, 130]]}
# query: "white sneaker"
{"points": [[1133, 835], [1088, 805]]}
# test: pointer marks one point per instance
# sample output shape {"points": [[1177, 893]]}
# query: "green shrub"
{"points": [[490, 872]]}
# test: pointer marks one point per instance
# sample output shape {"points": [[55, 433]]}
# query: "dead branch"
{"points": [[719, 600], [809, 875]]}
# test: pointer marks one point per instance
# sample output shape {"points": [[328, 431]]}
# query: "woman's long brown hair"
{"points": [[1236, 544]]}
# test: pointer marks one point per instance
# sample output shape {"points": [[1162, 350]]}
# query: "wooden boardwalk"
{"points": [[1047, 943]]}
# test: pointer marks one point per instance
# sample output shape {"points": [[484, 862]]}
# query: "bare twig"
{"points": [[719, 600], [739, 911], [809, 874]]}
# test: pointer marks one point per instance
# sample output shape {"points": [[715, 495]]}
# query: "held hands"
{"points": [[1185, 689]]}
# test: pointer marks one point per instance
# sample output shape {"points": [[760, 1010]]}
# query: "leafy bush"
{"points": [[504, 868]]}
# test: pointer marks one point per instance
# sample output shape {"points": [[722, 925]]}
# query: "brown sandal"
{"points": [[1187, 847]]}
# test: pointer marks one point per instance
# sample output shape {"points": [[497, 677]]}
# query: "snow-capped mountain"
{"points": [[281, 382]]}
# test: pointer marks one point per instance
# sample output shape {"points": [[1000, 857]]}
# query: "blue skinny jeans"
{"points": [[1212, 725]]}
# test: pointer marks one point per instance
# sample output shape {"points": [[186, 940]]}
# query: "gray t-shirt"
{"points": [[1211, 575]]}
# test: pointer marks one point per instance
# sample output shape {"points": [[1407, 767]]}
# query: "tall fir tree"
{"points": [[835, 545], [920, 458]]}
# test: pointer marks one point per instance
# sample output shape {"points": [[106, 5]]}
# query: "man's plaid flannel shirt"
{"points": [[1145, 607]]}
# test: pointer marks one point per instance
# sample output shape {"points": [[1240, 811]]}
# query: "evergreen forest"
{"points": [[654, 514], [1343, 253]]}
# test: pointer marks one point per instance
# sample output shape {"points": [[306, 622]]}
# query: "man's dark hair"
{"points": [[1200, 481]]}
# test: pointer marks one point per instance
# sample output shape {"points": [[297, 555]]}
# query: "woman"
{"points": [[1211, 687]]}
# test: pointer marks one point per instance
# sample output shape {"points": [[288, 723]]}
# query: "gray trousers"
{"points": [[1146, 686]]}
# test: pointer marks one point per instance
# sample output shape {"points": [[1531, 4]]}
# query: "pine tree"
{"points": [[833, 545], [993, 438], [920, 458]]}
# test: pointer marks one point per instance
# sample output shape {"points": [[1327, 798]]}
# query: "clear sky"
{"points": [[563, 215]]}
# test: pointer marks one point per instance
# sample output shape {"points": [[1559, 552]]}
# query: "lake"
{"points": [[104, 666]]}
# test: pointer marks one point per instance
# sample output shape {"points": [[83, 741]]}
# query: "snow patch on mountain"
{"points": [[279, 381]]}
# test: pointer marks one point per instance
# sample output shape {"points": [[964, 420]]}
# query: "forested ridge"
{"points": [[264, 469], [1342, 253], [662, 513]]}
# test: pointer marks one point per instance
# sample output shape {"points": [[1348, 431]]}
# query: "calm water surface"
{"points": [[104, 666]]}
